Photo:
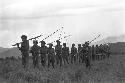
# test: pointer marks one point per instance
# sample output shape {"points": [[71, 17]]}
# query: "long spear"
{"points": [[95, 38], [60, 39], [29, 39], [89, 42], [51, 34]]}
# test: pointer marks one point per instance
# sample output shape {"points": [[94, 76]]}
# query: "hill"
{"points": [[113, 39], [117, 48], [3, 49], [10, 52], [116, 43]]}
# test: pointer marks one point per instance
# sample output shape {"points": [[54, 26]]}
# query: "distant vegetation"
{"points": [[3, 49], [117, 48]]}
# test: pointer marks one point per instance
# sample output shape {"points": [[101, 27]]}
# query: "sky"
{"points": [[82, 19]]}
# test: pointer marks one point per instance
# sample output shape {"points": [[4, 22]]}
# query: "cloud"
{"points": [[82, 19], [33, 8]]}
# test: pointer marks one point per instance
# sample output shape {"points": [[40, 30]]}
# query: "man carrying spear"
{"points": [[24, 50]]}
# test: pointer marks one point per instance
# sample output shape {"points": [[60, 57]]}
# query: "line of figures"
{"points": [[60, 54]]}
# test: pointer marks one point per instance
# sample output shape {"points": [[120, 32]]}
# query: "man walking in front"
{"points": [[24, 50]]}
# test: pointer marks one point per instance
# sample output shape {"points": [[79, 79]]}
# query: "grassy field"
{"points": [[110, 70]]}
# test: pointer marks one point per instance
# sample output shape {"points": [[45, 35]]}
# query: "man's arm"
{"points": [[31, 51], [18, 46], [27, 46], [53, 51]]}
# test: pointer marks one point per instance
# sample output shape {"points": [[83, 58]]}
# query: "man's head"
{"points": [[87, 43], [73, 45], [43, 43], [50, 45], [64, 44], [35, 42], [96, 45], [79, 45], [83, 45], [24, 37], [58, 42]]}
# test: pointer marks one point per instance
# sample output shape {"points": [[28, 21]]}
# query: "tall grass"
{"points": [[106, 71]]}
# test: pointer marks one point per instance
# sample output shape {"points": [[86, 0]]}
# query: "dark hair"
{"points": [[57, 41], [73, 44], [35, 41], [64, 43], [24, 37], [50, 44], [43, 42]]}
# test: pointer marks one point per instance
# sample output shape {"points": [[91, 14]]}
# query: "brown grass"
{"points": [[110, 70]]}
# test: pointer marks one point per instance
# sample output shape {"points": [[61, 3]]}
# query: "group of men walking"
{"points": [[61, 54]]}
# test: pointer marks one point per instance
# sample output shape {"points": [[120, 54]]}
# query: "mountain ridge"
{"points": [[2, 49], [111, 39]]}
